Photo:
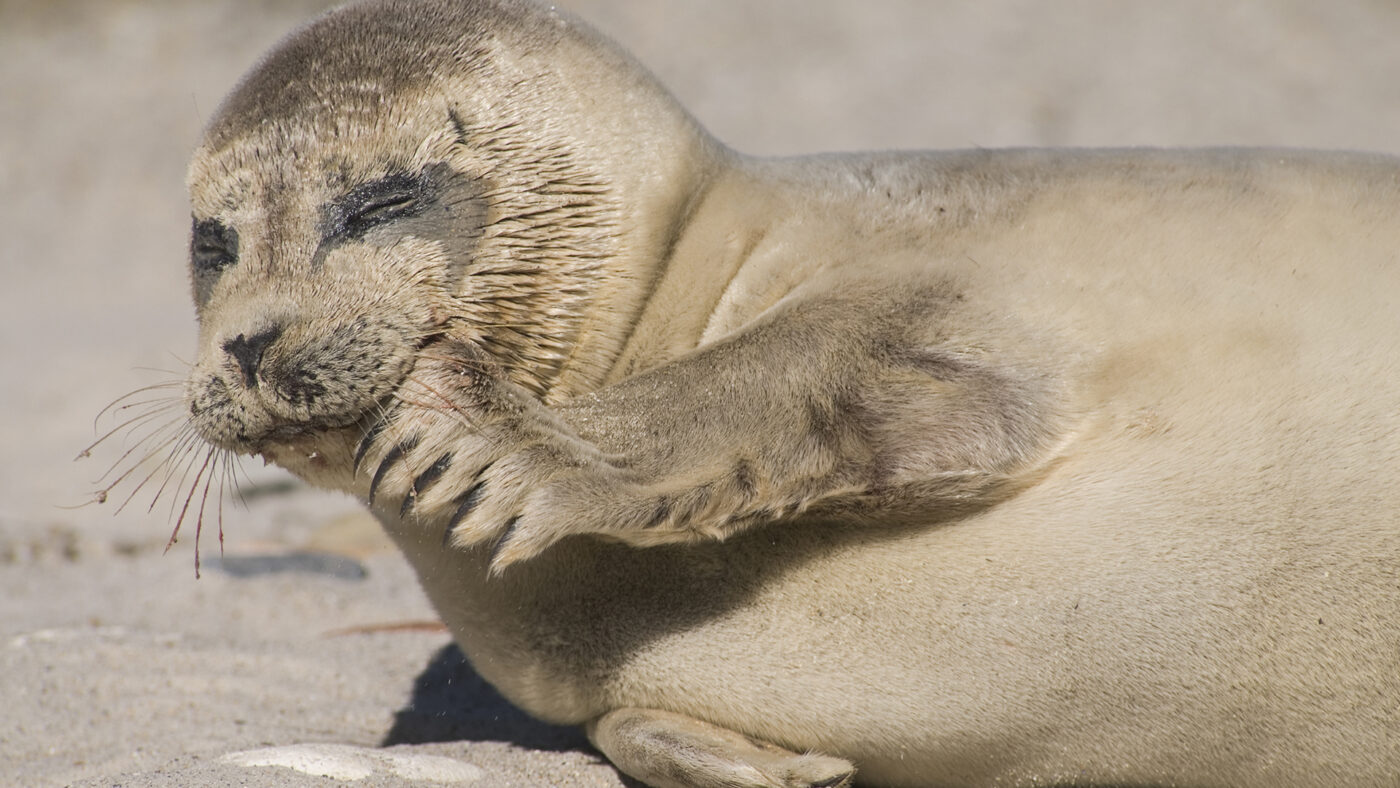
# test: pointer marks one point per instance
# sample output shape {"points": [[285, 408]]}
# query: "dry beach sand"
{"points": [[309, 644]]}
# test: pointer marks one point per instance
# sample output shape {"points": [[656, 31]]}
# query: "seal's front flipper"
{"points": [[666, 750]]}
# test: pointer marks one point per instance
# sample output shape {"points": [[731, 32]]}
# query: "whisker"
{"points": [[165, 442], [160, 448], [190, 447], [172, 373], [235, 468], [141, 422], [132, 425], [193, 461], [158, 403], [157, 406], [180, 520], [203, 501], [230, 462], [114, 403], [177, 444], [182, 362]]}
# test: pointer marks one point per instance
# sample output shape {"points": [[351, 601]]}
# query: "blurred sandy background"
{"points": [[117, 667]]}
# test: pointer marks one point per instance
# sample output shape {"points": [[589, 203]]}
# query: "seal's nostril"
{"points": [[248, 351]]}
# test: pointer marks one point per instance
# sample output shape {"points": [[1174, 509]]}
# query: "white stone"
{"points": [[348, 763]]}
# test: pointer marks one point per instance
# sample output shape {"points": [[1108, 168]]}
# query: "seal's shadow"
{"points": [[450, 702]]}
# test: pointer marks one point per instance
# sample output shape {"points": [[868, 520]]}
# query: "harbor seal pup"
{"points": [[970, 468]]}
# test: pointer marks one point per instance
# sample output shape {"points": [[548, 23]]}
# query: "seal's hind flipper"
{"points": [[669, 750]]}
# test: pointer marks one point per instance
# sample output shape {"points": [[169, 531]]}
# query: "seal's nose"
{"points": [[248, 351]]}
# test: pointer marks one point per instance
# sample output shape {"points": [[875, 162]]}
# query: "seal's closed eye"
{"points": [[392, 197]]}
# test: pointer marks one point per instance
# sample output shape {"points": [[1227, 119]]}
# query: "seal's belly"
{"points": [[1084, 622], [1106, 596]]}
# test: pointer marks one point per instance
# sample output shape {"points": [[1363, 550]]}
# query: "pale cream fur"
{"points": [[971, 468]]}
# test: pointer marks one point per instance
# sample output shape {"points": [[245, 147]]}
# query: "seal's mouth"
{"points": [[284, 435], [336, 381], [361, 426]]}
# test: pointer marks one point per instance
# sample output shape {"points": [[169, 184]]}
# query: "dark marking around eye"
{"points": [[364, 208], [437, 204], [213, 246]]}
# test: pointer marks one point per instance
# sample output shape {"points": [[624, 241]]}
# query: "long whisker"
{"points": [[161, 448], [162, 402], [189, 466], [155, 433], [114, 403], [180, 520], [178, 444], [173, 436], [182, 362], [170, 372], [203, 500], [156, 406], [189, 448], [229, 463]]}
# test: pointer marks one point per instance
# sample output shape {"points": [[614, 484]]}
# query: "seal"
{"points": [[1015, 467]]}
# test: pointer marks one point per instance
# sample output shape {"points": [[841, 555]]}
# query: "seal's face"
{"points": [[383, 180], [316, 282], [326, 253]]}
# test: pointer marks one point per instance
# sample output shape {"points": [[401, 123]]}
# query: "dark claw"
{"points": [[466, 503], [506, 533], [834, 782], [395, 454], [424, 480], [371, 435]]}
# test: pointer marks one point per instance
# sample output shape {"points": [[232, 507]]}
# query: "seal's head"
{"points": [[398, 171]]}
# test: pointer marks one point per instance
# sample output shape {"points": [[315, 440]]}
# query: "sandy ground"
{"points": [[118, 667]]}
